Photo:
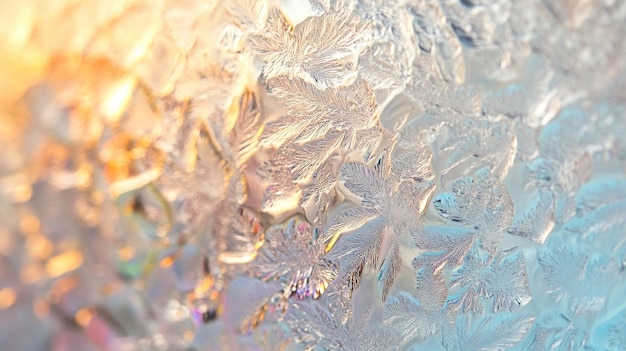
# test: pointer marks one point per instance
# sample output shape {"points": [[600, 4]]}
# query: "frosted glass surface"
{"points": [[272, 175]]}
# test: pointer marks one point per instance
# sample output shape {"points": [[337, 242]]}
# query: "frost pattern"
{"points": [[313, 174], [412, 319], [390, 208], [480, 202], [292, 254], [445, 248], [322, 50], [507, 282], [573, 276], [311, 113], [316, 328], [317, 126], [617, 332], [490, 332]]}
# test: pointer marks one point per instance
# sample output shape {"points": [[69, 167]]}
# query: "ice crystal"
{"points": [[598, 219], [248, 14], [311, 113], [507, 282], [440, 49], [316, 328], [390, 208], [555, 331], [569, 339], [412, 318], [312, 174], [293, 254], [502, 278], [537, 221], [446, 248], [490, 332], [322, 50], [301, 161], [617, 332], [479, 202], [572, 275], [386, 65], [318, 123]]}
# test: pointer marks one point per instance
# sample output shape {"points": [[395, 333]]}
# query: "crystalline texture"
{"points": [[258, 175], [390, 208], [291, 253], [479, 202], [321, 50]]}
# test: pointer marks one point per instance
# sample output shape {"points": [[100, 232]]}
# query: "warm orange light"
{"points": [[116, 98], [29, 223], [134, 182], [22, 193], [167, 262], [31, 273], [205, 285], [8, 296], [83, 317], [63, 263], [126, 253], [39, 247], [41, 309]]}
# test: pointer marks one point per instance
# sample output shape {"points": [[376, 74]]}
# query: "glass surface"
{"points": [[312, 175]]}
